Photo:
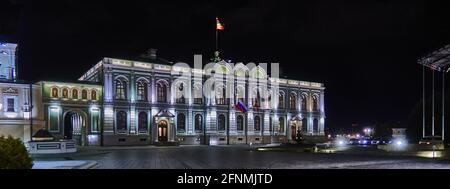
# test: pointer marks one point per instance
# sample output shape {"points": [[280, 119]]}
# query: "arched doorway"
{"points": [[162, 131], [73, 126]]}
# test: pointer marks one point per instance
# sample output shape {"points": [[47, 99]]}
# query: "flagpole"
{"points": [[217, 33]]}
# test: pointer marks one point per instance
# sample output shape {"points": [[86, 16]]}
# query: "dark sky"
{"points": [[365, 53]]}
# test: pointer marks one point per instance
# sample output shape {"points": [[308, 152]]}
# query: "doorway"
{"points": [[162, 131]]}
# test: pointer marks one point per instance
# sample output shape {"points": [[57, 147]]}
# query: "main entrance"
{"points": [[162, 131]]}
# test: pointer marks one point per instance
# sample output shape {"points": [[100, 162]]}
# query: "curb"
{"points": [[88, 165]]}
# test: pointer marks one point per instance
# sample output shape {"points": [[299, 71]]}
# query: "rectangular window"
{"points": [[11, 105], [95, 120], [54, 118]]}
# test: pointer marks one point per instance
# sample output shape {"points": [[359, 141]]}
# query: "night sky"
{"points": [[365, 53]]}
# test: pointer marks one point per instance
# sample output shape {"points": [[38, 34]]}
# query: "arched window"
{"points": [[257, 99], [316, 125], [198, 122], [65, 93], [220, 95], [240, 94], [304, 125], [303, 101], [121, 89], [221, 123], [292, 101], [142, 123], [181, 122], [162, 92], [281, 125], [93, 95], [141, 91], [315, 103], [74, 93], [55, 92], [84, 94], [257, 123], [121, 121], [240, 122], [198, 94], [180, 99], [281, 100]]}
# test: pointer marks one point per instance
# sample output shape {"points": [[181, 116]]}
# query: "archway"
{"points": [[162, 131], [74, 123]]}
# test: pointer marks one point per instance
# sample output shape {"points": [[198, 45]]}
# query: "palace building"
{"points": [[153, 101]]}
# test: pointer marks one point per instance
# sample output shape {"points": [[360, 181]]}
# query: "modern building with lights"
{"points": [[154, 101]]}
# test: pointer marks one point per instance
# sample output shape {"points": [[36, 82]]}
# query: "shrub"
{"points": [[13, 154]]}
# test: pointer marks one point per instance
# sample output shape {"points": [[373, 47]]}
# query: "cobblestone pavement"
{"points": [[242, 157]]}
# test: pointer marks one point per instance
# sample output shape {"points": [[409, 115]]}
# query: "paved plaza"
{"points": [[242, 157]]}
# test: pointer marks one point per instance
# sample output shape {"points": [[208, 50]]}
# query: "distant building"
{"points": [[20, 102]]}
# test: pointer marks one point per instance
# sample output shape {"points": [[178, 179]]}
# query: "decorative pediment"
{"points": [[164, 113], [10, 90]]}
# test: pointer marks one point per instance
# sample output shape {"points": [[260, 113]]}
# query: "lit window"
{"points": [[142, 91], [281, 125], [93, 95], [54, 92], [65, 93], [121, 90], [75, 94], [292, 101], [84, 94], [162, 92], [303, 101], [180, 99], [281, 100]]}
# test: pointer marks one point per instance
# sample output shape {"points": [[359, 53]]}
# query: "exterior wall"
{"points": [[58, 109], [110, 71], [16, 120]]}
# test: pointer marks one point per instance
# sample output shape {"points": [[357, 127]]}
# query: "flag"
{"points": [[219, 26], [241, 107]]}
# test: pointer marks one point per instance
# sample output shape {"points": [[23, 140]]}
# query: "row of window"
{"points": [[121, 125], [161, 88], [74, 93]]}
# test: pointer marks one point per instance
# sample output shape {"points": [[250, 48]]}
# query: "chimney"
{"points": [[152, 53]]}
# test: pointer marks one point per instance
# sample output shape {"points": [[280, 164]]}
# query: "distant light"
{"points": [[399, 142]]}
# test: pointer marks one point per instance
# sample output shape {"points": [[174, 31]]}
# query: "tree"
{"points": [[13, 154]]}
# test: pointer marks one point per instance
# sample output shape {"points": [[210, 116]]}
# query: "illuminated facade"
{"points": [[124, 102], [20, 102], [154, 101], [73, 111]]}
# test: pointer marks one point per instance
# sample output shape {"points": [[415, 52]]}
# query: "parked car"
{"points": [[431, 140], [353, 141], [380, 141], [364, 141]]}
